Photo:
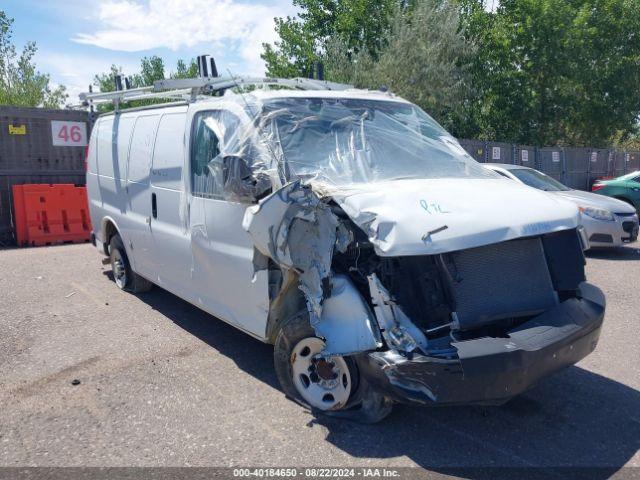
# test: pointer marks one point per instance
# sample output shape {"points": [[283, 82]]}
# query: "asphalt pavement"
{"points": [[92, 376]]}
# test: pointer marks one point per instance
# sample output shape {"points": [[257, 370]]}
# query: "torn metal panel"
{"points": [[299, 232], [398, 330], [346, 312]]}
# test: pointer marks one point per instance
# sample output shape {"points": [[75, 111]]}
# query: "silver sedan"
{"points": [[607, 222]]}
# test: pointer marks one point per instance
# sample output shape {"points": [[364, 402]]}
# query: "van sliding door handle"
{"points": [[154, 206]]}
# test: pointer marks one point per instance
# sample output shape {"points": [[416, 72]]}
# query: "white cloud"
{"points": [[131, 26], [76, 71]]}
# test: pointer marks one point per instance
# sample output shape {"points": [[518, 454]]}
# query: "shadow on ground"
{"points": [[575, 419], [619, 253]]}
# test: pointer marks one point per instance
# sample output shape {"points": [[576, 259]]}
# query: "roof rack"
{"points": [[191, 89]]}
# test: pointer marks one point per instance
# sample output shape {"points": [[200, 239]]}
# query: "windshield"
{"points": [[343, 141], [628, 176], [538, 180]]}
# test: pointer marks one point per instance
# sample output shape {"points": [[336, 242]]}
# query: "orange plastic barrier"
{"points": [[50, 214]]}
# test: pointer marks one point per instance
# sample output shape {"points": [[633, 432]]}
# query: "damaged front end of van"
{"points": [[443, 284], [428, 320]]}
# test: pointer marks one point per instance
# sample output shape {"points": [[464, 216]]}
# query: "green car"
{"points": [[625, 188]]}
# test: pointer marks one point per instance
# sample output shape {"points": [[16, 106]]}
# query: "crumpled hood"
{"points": [[588, 199], [431, 216]]}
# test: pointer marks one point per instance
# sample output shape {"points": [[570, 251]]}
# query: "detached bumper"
{"points": [[493, 370]]}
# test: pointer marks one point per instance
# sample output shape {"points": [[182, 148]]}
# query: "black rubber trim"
{"points": [[493, 370]]}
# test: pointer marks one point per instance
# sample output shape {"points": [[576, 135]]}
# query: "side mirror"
{"points": [[239, 181]]}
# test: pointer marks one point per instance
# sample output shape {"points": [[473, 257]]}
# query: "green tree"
{"points": [[151, 69], [424, 57], [21, 84], [556, 71], [106, 81], [360, 24], [186, 71], [606, 47]]}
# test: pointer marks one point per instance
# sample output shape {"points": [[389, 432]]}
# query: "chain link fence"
{"points": [[575, 167]]}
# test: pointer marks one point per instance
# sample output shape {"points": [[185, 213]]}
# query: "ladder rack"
{"points": [[190, 89]]}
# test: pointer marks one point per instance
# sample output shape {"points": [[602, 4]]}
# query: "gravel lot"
{"points": [[163, 383]]}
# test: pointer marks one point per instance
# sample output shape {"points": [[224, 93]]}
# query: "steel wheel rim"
{"points": [[118, 268], [322, 383]]}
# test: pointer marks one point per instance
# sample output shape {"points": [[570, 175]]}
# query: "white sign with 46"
{"points": [[68, 134]]}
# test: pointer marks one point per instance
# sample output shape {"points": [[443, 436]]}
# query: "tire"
{"points": [[332, 387], [124, 277]]}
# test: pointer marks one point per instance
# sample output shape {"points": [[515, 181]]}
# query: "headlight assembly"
{"points": [[597, 214]]}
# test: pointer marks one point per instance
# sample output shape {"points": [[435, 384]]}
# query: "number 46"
{"points": [[72, 134]]}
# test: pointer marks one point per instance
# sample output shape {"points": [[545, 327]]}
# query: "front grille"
{"points": [[503, 280], [626, 214], [601, 238], [628, 226]]}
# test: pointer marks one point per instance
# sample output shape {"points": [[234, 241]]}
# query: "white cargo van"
{"points": [[347, 228]]}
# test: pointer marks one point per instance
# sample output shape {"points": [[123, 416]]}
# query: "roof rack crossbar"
{"points": [[191, 88], [142, 95]]}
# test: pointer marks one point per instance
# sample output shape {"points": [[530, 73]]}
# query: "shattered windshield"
{"points": [[343, 141]]}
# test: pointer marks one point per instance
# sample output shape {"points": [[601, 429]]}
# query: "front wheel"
{"points": [[329, 385]]}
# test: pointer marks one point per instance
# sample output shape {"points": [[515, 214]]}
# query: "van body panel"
{"points": [[148, 156], [136, 227], [223, 271], [93, 190], [170, 237], [114, 136], [224, 279]]}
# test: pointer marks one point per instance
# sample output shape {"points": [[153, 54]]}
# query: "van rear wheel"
{"points": [[124, 277]]}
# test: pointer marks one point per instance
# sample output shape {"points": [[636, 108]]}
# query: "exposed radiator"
{"points": [[502, 280]]}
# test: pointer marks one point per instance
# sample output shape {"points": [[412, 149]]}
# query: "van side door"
{"points": [[137, 234], [222, 251], [171, 246], [114, 135]]}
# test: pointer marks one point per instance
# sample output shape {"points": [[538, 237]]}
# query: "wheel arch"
{"points": [[108, 229], [288, 302], [348, 325]]}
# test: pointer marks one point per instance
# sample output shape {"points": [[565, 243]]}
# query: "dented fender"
{"points": [[298, 231], [347, 323]]}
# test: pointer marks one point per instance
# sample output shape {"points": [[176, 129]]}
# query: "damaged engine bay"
{"points": [[421, 303]]}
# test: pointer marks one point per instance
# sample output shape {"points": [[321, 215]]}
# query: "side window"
{"points": [[215, 134], [205, 146], [502, 173]]}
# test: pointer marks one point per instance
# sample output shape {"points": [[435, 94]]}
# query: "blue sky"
{"points": [[79, 38]]}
